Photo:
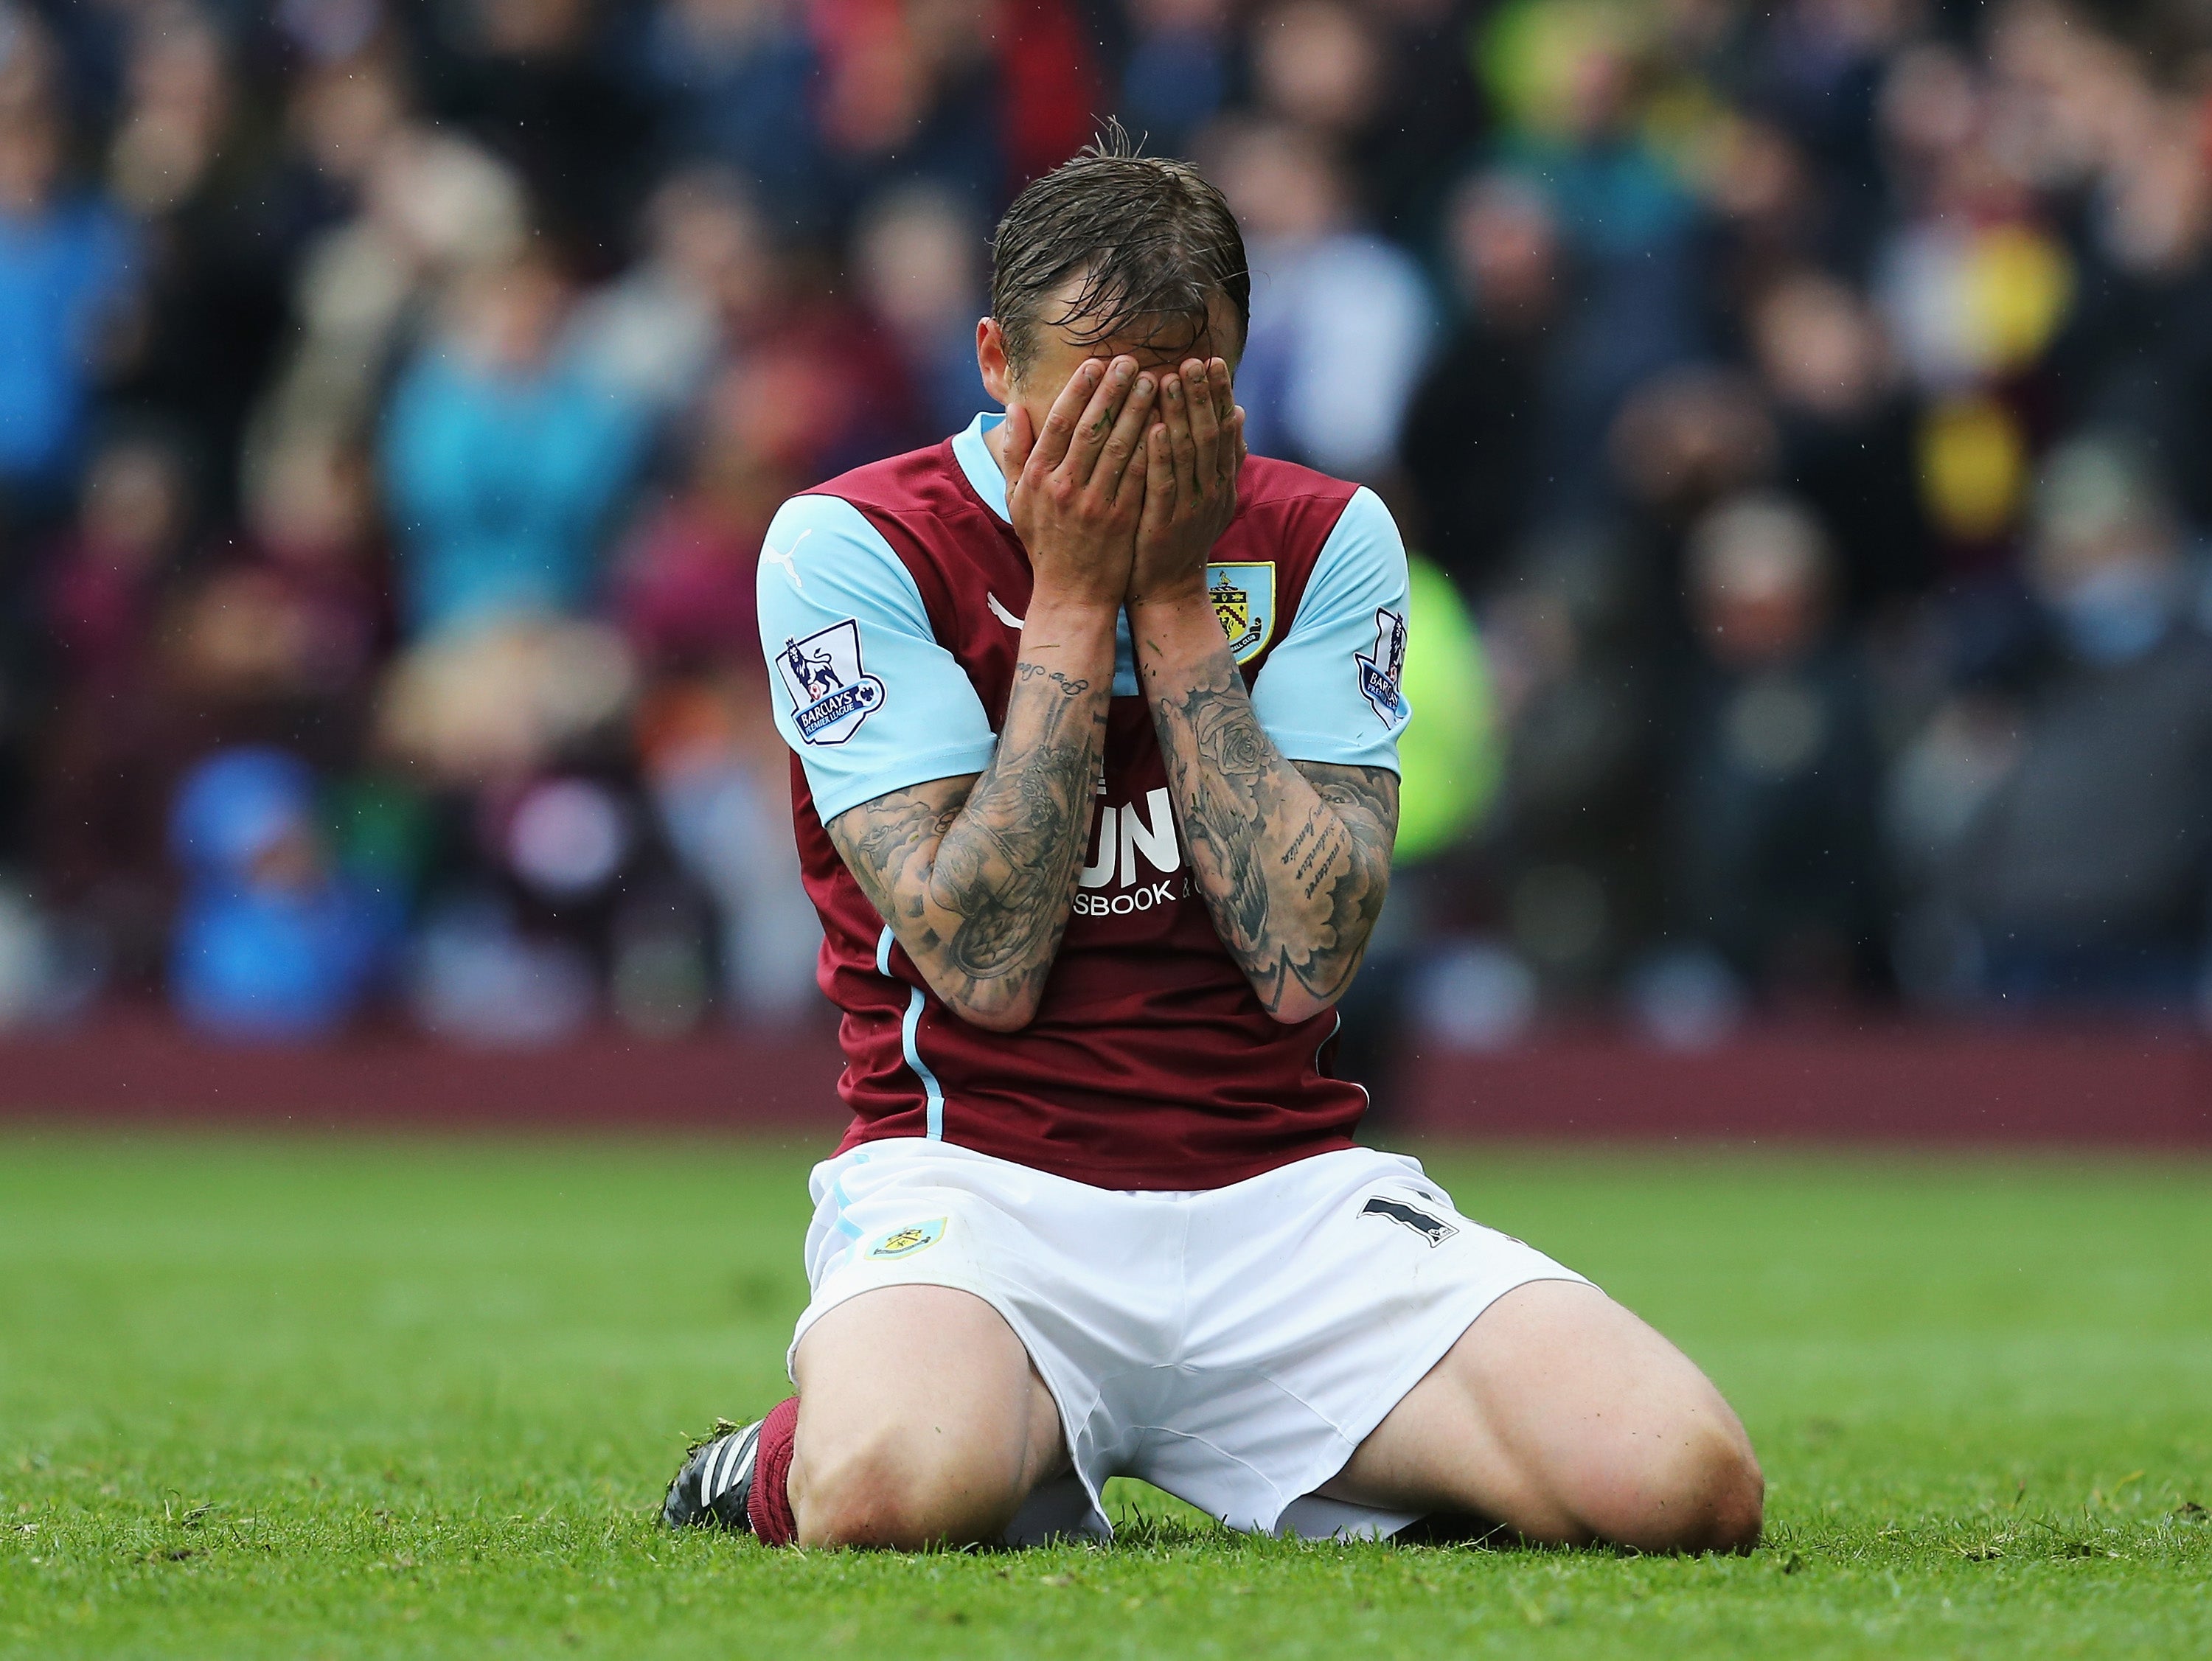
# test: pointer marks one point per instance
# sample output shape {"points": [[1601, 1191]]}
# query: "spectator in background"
{"points": [[919, 253], [1341, 320], [518, 732], [1847, 439], [116, 740], [907, 92], [1593, 647], [271, 944], [816, 383], [189, 161], [1973, 287], [683, 579], [1386, 85], [735, 81], [279, 639], [717, 295], [708, 273], [1683, 442], [1773, 855], [107, 575], [1563, 79], [1475, 438], [338, 115], [1429, 111], [720, 780], [537, 83], [430, 209], [65, 266], [504, 463], [1819, 75], [1317, 64], [717, 774], [1176, 74], [2087, 874], [1765, 214]]}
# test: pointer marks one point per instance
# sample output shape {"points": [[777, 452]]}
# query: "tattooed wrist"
{"points": [[1072, 685], [1293, 858], [975, 875]]}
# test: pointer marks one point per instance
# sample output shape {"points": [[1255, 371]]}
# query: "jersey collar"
{"points": [[980, 466]]}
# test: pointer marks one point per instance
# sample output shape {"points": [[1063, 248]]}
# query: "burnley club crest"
{"points": [[1243, 595]]}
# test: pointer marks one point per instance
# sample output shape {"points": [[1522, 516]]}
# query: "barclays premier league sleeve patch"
{"points": [[831, 692], [1380, 675]]}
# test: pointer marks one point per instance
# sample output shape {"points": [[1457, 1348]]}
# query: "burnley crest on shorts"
{"points": [[1243, 598], [905, 1242], [830, 693]]}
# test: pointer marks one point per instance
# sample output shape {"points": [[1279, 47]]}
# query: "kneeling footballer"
{"points": [[1096, 721]]}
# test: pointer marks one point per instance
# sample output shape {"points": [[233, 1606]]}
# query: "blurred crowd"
{"points": [[1796, 408]]}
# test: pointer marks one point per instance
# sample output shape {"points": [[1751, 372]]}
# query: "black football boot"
{"points": [[715, 1481]]}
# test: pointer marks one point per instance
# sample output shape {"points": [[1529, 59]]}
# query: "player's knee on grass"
{"points": [[1562, 1416], [921, 1421], [1698, 1488], [1731, 1506], [1673, 1471], [903, 1486]]}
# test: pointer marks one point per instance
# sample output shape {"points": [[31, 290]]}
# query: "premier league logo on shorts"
{"points": [[1379, 675], [1243, 595], [830, 693]]}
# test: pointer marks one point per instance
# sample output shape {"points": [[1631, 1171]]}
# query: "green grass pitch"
{"points": [[303, 1397]]}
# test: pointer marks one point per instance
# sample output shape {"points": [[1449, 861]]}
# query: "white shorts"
{"points": [[1233, 1346]]}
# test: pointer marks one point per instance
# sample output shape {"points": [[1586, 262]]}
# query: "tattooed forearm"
{"points": [[1293, 858], [975, 875]]}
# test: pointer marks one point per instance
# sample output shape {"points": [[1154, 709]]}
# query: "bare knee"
{"points": [[884, 1489], [1704, 1493], [921, 1421]]}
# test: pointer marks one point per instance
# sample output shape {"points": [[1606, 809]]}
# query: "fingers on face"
{"points": [[1062, 421], [1161, 482], [1126, 438], [1109, 402], [1217, 376], [1205, 428]]}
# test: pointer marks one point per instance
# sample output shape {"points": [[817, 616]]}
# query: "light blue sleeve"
{"points": [[1331, 689], [863, 693]]}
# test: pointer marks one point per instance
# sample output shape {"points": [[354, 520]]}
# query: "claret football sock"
{"points": [[735, 1479], [768, 1505]]}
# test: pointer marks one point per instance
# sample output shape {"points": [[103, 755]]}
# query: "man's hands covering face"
{"points": [[1124, 494], [1193, 452], [1073, 494]]}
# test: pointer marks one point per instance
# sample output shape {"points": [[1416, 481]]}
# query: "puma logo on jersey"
{"points": [[774, 555], [999, 611]]}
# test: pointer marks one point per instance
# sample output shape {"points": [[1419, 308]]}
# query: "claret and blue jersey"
{"points": [[890, 606]]}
